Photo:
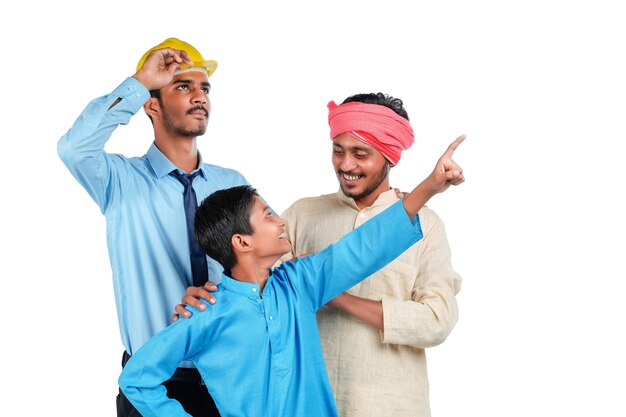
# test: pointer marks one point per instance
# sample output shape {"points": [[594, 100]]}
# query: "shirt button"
{"points": [[271, 318], [130, 88], [361, 215], [253, 289], [138, 95]]}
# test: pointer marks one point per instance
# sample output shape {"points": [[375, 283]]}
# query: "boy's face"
{"points": [[269, 237]]}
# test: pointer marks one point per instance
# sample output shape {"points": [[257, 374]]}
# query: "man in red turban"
{"points": [[374, 336]]}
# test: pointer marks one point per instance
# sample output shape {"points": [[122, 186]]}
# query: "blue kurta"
{"points": [[261, 355]]}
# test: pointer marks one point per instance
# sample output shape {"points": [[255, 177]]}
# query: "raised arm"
{"points": [[82, 148], [445, 174]]}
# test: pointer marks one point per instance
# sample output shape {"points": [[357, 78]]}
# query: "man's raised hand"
{"points": [[158, 69]]}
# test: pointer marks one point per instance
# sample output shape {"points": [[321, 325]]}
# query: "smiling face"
{"points": [[185, 105], [362, 171], [268, 238]]}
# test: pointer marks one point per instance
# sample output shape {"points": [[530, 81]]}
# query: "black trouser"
{"points": [[185, 386]]}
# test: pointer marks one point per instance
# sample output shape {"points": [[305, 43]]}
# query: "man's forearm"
{"points": [[368, 311]]}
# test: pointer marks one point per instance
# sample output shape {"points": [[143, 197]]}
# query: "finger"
{"points": [[452, 175], [452, 147], [174, 317], [210, 286], [173, 67], [186, 58], [193, 298], [458, 180], [399, 193], [182, 311], [193, 301]]}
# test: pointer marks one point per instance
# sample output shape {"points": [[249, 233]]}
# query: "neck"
{"points": [[256, 271], [182, 151]]}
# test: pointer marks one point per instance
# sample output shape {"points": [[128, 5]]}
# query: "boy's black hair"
{"points": [[220, 216]]}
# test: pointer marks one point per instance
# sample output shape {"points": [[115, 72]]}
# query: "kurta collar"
{"points": [[384, 199], [246, 289]]}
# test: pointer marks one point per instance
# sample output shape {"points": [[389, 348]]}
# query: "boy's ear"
{"points": [[241, 243]]}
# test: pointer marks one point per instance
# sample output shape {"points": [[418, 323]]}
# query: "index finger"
{"points": [[448, 153]]}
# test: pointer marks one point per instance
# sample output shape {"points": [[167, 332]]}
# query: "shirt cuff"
{"points": [[392, 317], [134, 93]]}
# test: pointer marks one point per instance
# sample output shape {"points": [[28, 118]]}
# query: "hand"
{"points": [[446, 172], [158, 69], [192, 298], [399, 194]]}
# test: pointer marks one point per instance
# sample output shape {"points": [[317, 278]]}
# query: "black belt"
{"points": [[181, 374]]}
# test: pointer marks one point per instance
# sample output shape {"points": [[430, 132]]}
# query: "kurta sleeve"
{"points": [[357, 255], [156, 361], [428, 318]]}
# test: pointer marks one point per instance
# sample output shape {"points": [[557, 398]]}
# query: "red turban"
{"points": [[374, 125]]}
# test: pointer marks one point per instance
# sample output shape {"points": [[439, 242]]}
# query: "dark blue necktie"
{"points": [[199, 268]]}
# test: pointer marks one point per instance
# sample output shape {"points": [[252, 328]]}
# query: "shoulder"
{"points": [[311, 204], [230, 177], [429, 220]]}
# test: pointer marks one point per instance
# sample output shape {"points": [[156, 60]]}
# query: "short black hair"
{"points": [[381, 99], [220, 216]]}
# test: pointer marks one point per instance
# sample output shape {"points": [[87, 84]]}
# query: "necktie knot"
{"points": [[185, 179]]}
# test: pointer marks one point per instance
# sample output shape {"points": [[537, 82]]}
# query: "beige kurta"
{"points": [[375, 373]]}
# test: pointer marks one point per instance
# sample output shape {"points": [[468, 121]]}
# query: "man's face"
{"points": [[269, 237], [185, 104], [360, 168]]}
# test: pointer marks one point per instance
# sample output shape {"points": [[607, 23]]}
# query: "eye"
{"points": [[337, 151], [360, 155], [182, 87], [206, 90]]}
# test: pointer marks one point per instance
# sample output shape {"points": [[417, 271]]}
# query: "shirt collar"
{"points": [[247, 289], [384, 199], [163, 166]]}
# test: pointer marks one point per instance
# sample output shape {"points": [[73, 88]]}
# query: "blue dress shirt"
{"points": [[145, 214], [261, 355]]}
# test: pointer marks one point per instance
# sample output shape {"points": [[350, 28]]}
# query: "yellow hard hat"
{"points": [[198, 61]]}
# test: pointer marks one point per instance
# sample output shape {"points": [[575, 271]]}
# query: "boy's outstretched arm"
{"points": [[446, 173]]}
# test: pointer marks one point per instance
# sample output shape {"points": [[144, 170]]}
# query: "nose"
{"points": [[199, 97], [347, 163], [280, 221]]}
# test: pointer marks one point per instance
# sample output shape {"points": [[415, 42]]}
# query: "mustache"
{"points": [[340, 172], [193, 109]]}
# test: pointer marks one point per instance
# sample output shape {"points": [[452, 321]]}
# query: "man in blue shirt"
{"points": [[143, 198], [261, 338]]}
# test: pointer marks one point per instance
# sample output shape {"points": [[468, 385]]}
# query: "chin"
{"points": [[350, 192]]}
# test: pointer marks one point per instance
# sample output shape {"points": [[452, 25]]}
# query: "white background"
{"points": [[536, 231]]}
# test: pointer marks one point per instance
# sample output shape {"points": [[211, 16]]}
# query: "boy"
{"points": [[258, 348]]}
